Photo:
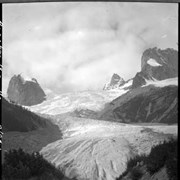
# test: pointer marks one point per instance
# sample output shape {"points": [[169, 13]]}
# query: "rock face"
{"points": [[116, 81], [23, 92], [153, 103], [157, 64], [144, 104]]}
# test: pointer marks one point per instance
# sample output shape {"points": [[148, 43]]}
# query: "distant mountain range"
{"points": [[152, 95], [156, 64]]}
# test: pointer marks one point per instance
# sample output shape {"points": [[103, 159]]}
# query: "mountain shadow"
{"points": [[144, 105], [25, 129]]}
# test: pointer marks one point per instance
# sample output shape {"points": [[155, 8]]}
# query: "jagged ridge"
{"points": [[157, 64]]}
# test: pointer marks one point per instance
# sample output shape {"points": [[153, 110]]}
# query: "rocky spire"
{"points": [[24, 92], [116, 81]]}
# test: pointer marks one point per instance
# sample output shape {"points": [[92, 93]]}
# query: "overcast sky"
{"points": [[78, 46]]}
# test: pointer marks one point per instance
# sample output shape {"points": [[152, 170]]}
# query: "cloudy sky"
{"points": [[78, 46]]}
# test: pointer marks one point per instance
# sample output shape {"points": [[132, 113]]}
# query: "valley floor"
{"points": [[90, 149]]}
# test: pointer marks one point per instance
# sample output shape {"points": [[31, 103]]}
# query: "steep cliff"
{"points": [[24, 92], [157, 64], [116, 81]]}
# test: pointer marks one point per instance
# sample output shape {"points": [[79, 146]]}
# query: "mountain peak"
{"points": [[25, 92], [157, 64], [116, 81], [116, 75]]}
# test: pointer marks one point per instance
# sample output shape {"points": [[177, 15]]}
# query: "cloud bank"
{"points": [[78, 46]]}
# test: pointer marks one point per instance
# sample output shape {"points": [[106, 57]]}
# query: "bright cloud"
{"points": [[78, 46]]}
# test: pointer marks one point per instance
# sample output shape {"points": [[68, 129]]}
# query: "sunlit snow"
{"points": [[68, 102], [153, 62], [162, 83]]}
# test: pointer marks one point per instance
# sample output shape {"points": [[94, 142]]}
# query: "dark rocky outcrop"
{"points": [[116, 81], [166, 66], [23, 92], [25, 129], [144, 104]]}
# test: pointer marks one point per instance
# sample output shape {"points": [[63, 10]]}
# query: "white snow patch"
{"points": [[129, 83], [162, 83], [153, 62], [28, 79], [25, 77]]}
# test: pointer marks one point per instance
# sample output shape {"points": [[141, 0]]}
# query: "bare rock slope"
{"points": [[145, 104]]}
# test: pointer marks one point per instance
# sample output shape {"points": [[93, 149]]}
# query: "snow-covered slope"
{"points": [[68, 102], [162, 83], [92, 100], [99, 150]]}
